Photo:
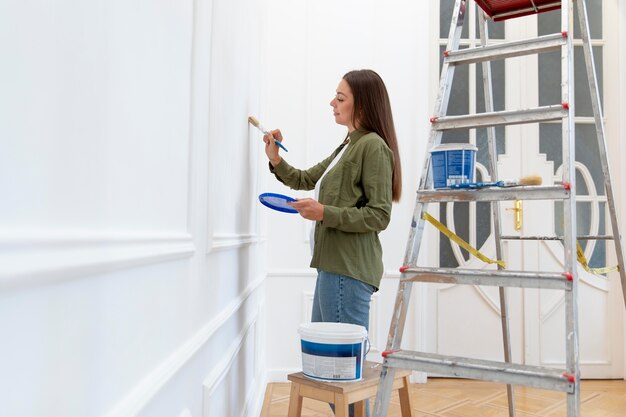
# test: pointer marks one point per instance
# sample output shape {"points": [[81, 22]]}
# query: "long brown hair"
{"points": [[372, 112]]}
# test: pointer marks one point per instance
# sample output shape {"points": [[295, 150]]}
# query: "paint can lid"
{"points": [[332, 331], [454, 147]]}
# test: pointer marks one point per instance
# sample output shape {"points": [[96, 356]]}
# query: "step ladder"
{"points": [[566, 380]]}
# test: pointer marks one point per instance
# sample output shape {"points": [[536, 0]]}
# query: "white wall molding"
{"points": [[37, 258], [311, 273], [255, 401], [307, 306], [254, 405], [154, 381], [220, 371], [232, 241], [214, 379], [280, 374], [375, 339]]}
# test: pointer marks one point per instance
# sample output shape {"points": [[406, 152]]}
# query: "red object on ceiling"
{"points": [[508, 9]]}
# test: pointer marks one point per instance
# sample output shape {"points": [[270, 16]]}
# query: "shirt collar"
{"points": [[356, 135]]}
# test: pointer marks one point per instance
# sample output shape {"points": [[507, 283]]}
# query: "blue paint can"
{"points": [[333, 351], [452, 163]]}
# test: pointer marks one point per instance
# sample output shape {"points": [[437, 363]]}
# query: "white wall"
{"points": [[312, 45], [132, 257], [131, 268]]}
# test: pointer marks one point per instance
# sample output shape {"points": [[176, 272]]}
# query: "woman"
{"points": [[355, 187], [354, 190]]}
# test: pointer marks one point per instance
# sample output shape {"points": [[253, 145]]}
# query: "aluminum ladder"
{"points": [[566, 380]]}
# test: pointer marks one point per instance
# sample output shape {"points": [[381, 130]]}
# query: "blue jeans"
{"points": [[342, 299]]}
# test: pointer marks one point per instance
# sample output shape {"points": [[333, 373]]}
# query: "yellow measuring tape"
{"points": [[583, 261], [443, 229]]}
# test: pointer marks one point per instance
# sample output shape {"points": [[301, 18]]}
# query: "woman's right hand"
{"points": [[271, 149]]}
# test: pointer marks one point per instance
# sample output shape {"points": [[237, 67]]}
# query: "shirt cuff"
{"points": [[331, 216]]}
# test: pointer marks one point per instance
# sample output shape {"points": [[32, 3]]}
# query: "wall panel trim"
{"points": [[141, 395], [220, 371], [311, 273], [36, 259], [232, 241]]}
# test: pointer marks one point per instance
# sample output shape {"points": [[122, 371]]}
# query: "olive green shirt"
{"points": [[356, 194]]}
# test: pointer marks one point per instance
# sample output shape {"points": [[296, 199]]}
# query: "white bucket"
{"points": [[452, 163], [333, 351]]}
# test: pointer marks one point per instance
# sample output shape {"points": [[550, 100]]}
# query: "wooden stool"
{"points": [[343, 394]]}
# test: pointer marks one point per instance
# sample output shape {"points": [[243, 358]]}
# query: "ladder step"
{"points": [[508, 373], [502, 10], [507, 117], [545, 43], [499, 278], [582, 237], [534, 192]]}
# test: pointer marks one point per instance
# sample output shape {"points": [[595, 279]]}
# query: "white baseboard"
{"points": [[280, 375], [254, 405]]}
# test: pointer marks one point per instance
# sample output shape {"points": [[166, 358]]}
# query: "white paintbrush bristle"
{"points": [[254, 121], [523, 181], [531, 180]]}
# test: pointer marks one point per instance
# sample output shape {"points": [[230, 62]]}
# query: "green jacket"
{"points": [[356, 194]]}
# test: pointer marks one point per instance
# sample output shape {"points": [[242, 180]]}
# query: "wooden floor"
{"points": [[441, 397]]}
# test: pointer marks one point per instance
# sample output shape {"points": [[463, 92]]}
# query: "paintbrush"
{"points": [[255, 122], [523, 181]]}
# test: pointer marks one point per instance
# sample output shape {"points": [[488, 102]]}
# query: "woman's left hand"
{"points": [[309, 209]]}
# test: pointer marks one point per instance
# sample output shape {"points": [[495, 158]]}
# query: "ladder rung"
{"points": [[507, 117], [499, 278], [508, 373], [534, 192], [545, 43], [582, 237]]}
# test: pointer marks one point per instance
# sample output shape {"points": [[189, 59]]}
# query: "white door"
{"points": [[463, 314]]}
